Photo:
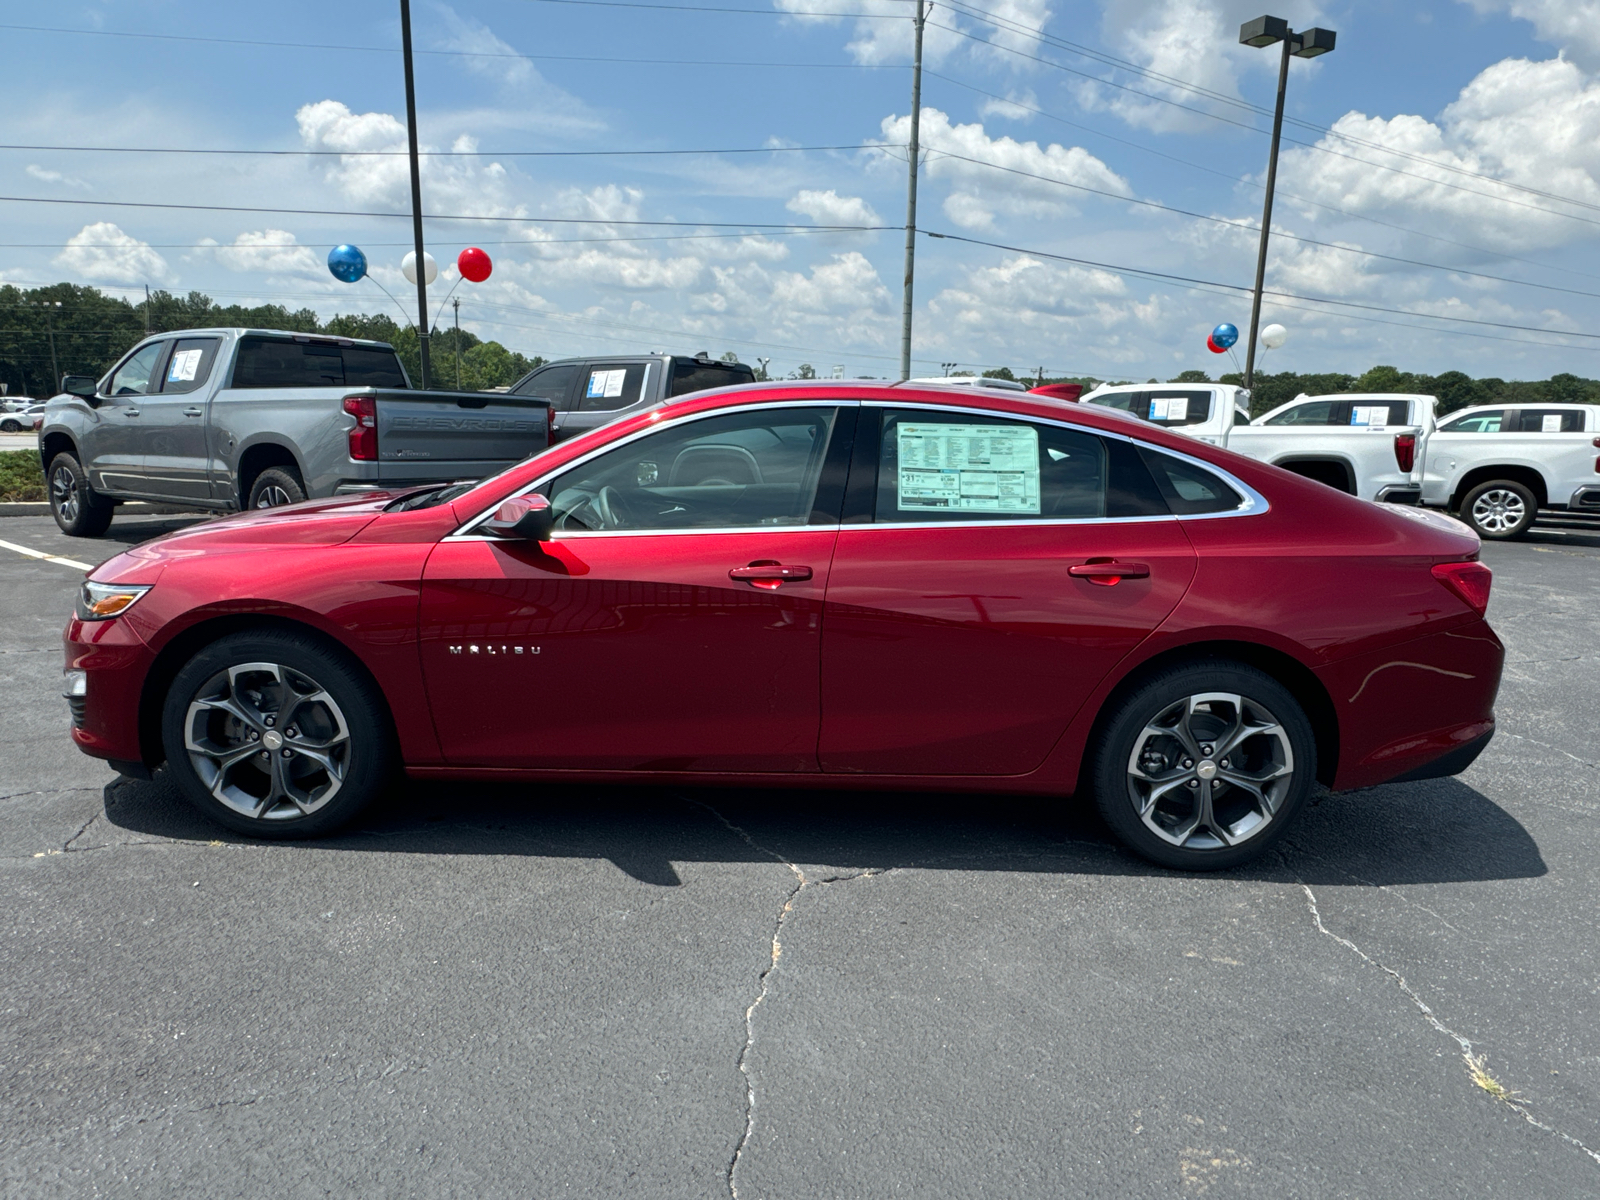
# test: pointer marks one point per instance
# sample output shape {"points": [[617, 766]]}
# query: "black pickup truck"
{"points": [[589, 392]]}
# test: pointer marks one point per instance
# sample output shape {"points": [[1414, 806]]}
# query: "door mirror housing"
{"points": [[529, 518], [79, 385]]}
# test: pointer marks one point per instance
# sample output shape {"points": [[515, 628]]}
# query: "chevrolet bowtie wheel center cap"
{"points": [[1206, 770]]}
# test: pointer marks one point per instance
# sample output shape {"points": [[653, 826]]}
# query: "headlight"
{"points": [[102, 601]]}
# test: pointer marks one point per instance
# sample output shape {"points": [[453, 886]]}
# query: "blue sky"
{"points": [[1490, 108]]}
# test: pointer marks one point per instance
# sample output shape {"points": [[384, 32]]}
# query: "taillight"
{"points": [[549, 427], [1469, 580], [364, 437], [1405, 450]]}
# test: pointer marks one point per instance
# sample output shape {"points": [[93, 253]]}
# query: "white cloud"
{"points": [[103, 253], [980, 193], [461, 184], [883, 29], [273, 252], [1530, 123], [1018, 106], [830, 208], [44, 175], [848, 283], [1573, 25]]}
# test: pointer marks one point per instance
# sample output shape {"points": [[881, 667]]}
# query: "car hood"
{"points": [[312, 523]]}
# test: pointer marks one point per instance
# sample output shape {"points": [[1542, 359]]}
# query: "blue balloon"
{"points": [[1225, 335], [347, 263]]}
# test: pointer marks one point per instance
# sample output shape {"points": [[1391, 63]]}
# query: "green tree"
{"points": [[1191, 377], [804, 371], [1000, 373]]}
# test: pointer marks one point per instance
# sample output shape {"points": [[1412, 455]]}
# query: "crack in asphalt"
{"points": [[1547, 746], [763, 981], [1476, 1065]]}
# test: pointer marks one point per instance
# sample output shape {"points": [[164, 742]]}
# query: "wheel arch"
{"points": [[258, 457], [1321, 468], [183, 646], [1282, 666], [54, 442], [1529, 477]]}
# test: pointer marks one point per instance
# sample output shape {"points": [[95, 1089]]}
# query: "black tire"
{"points": [[1244, 824], [1500, 509], [79, 510], [10, 426], [275, 487], [331, 755]]}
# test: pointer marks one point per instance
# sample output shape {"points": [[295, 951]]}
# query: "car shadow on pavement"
{"points": [[1432, 832]]}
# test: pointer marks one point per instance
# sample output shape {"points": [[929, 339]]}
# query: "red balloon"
{"points": [[474, 264], [1210, 345]]}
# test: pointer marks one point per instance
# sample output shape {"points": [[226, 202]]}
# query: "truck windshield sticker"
{"points": [[606, 384], [1551, 423], [1374, 416], [1174, 408], [969, 468], [185, 365]]}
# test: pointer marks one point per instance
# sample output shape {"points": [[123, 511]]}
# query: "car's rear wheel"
{"points": [[1500, 509], [1205, 765], [275, 487], [275, 735], [77, 507], [9, 425]]}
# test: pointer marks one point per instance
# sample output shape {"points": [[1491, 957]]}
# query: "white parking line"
{"points": [[55, 558]]}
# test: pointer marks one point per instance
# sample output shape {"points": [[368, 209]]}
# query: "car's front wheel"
{"points": [[1204, 766], [77, 507], [1500, 509], [275, 735]]}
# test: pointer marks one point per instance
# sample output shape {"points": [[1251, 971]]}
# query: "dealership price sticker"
{"points": [[606, 384], [185, 366], [968, 468]]}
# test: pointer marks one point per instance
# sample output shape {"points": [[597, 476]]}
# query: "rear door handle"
{"points": [[130, 412], [1108, 572], [769, 575]]}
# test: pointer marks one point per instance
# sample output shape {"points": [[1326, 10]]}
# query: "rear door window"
{"points": [[1175, 409], [1378, 414], [190, 365], [1546, 420], [283, 363], [553, 383], [610, 386]]}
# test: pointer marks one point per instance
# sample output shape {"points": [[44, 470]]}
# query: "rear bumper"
{"points": [[1400, 493], [1415, 708], [115, 661], [1586, 499]]}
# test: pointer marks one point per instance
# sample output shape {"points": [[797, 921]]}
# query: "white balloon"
{"points": [[430, 269], [1274, 336]]}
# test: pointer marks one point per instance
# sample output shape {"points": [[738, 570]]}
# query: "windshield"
{"points": [[432, 497]]}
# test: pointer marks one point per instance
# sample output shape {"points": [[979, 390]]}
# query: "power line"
{"points": [[1202, 284], [445, 153], [530, 243]]}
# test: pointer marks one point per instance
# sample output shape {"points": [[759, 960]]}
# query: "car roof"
{"points": [[250, 331], [1570, 405]]}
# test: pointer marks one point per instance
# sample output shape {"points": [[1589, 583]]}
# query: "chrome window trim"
{"points": [[463, 531], [1254, 502]]}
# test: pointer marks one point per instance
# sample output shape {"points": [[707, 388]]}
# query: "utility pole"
{"points": [[456, 304], [147, 310], [911, 187], [55, 379], [416, 189]]}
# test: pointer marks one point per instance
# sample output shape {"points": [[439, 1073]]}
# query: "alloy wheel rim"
{"points": [[1210, 771], [268, 741], [64, 489], [273, 496], [1498, 510]]}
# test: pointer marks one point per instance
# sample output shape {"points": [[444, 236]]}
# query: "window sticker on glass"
{"points": [[1375, 416], [1551, 423], [971, 468], [606, 384], [1174, 408], [186, 363]]}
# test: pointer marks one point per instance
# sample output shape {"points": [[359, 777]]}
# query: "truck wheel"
{"points": [[275, 487], [275, 735], [1499, 509], [1205, 766], [77, 507]]}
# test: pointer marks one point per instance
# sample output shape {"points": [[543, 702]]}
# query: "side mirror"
{"points": [[79, 385], [530, 518]]}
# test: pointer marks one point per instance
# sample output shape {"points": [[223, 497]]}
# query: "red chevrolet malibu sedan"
{"points": [[851, 585]]}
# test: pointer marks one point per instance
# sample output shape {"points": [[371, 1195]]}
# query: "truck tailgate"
{"points": [[464, 429]]}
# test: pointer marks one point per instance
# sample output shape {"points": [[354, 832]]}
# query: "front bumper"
{"points": [[114, 661]]}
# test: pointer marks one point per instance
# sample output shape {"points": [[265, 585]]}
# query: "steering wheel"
{"points": [[612, 509]]}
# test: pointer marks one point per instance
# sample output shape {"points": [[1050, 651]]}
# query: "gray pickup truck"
{"points": [[226, 419], [589, 392]]}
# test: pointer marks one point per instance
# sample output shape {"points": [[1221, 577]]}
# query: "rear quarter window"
{"points": [[1189, 490]]}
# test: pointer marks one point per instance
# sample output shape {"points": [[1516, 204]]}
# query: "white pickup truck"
{"points": [[1495, 466]]}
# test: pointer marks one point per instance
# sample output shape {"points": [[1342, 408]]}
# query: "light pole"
{"points": [[1260, 33], [416, 191], [913, 150]]}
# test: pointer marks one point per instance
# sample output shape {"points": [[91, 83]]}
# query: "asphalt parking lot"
{"points": [[498, 992]]}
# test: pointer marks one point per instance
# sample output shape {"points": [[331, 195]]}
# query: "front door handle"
{"points": [[769, 575], [130, 412], [194, 412], [1108, 572]]}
